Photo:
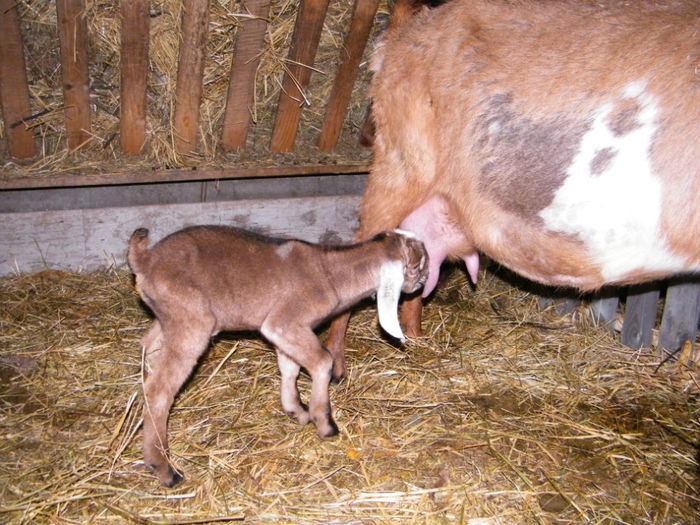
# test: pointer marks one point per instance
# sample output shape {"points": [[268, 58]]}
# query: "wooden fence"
{"points": [[673, 306], [661, 314], [134, 69], [681, 301]]}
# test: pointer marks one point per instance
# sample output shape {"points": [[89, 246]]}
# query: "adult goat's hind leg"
{"points": [[335, 343]]}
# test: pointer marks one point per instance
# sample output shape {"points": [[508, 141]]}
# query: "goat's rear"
{"points": [[138, 250]]}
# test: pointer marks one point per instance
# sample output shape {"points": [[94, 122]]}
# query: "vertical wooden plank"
{"points": [[134, 74], [14, 92], [680, 318], [360, 27], [190, 72], [72, 33], [307, 34], [604, 308], [241, 87], [640, 316]]}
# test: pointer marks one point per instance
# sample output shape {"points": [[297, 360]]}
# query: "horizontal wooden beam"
{"points": [[179, 175]]}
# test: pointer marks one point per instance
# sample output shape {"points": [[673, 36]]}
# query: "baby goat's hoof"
{"points": [[168, 476], [175, 478], [300, 413], [338, 372], [302, 417], [327, 431]]}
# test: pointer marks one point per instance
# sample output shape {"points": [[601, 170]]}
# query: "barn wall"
{"points": [[87, 228]]}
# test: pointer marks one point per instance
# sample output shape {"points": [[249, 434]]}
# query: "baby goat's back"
{"points": [[234, 274]]}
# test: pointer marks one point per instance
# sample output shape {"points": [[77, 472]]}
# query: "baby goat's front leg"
{"points": [[300, 344], [291, 402]]}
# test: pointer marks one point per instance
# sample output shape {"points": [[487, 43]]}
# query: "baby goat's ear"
{"points": [[390, 284]]}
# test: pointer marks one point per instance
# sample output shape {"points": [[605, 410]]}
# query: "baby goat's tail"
{"points": [[138, 250]]}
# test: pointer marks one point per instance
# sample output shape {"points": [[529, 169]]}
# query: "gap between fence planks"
{"points": [[72, 34], [355, 43], [190, 74], [134, 75], [241, 88], [14, 91], [307, 34]]}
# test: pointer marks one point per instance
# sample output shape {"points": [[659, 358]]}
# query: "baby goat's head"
{"points": [[405, 270]]}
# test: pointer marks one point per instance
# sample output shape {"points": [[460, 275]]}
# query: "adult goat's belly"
{"points": [[589, 214]]}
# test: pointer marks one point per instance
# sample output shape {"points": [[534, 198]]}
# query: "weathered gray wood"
{"points": [[180, 175], [20, 201], [640, 317], [90, 239], [604, 309], [680, 317]]}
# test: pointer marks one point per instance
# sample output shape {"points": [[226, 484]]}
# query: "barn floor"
{"points": [[502, 414]]}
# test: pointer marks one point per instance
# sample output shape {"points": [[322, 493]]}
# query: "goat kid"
{"points": [[559, 138], [205, 279]]}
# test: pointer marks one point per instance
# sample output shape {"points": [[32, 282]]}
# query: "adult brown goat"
{"points": [[560, 138]]}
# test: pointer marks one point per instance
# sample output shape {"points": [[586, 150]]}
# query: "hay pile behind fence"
{"points": [[502, 412], [102, 152]]}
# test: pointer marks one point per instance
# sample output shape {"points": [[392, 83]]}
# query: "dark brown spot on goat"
{"points": [[624, 117], [511, 144], [205, 279], [601, 161]]}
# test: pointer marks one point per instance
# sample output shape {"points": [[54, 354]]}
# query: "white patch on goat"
{"points": [[494, 127], [284, 249], [616, 213]]}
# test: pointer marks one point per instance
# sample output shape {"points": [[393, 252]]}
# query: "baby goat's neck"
{"points": [[354, 270]]}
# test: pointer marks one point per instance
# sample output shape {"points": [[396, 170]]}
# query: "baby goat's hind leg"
{"points": [[291, 403], [181, 346], [301, 344]]}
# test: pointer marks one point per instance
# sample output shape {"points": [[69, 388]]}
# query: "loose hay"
{"points": [[502, 414]]}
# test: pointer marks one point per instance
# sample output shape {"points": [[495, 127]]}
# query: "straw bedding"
{"points": [[503, 413]]}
